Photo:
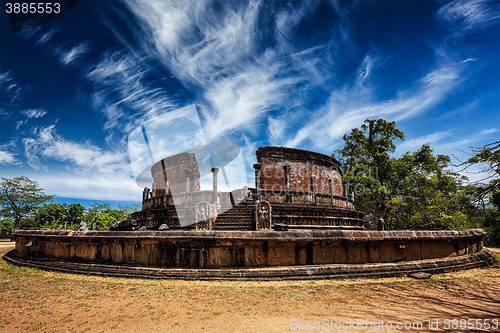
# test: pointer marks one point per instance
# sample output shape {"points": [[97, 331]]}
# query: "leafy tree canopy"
{"points": [[489, 158], [416, 190], [19, 197], [7, 225], [103, 220], [50, 214]]}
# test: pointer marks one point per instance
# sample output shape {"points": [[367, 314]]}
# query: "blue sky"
{"points": [[298, 74]]}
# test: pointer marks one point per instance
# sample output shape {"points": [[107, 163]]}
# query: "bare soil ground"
{"points": [[32, 300]]}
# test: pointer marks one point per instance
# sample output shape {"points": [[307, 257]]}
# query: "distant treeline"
{"points": [[24, 204]]}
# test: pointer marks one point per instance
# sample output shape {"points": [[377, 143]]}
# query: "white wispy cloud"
{"points": [[67, 57], [20, 123], [9, 154], [122, 92], [45, 37], [416, 143], [347, 108], [11, 91], [45, 143], [470, 15], [217, 54], [89, 186], [6, 157], [34, 113], [239, 101], [489, 131], [30, 114], [276, 129]]}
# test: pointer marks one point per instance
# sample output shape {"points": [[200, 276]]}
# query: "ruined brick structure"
{"points": [[305, 171], [293, 189], [178, 173]]}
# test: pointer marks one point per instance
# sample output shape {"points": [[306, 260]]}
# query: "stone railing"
{"points": [[191, 199]]}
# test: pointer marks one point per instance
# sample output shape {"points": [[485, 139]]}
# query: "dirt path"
{"points": [[36, 301]]}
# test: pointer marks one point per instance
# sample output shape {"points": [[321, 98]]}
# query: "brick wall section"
{"points": [[173, 169], [304, 165]]}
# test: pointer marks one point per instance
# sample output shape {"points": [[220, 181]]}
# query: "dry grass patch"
{"points": [[38, 301]]}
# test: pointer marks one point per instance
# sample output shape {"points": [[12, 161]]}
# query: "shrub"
{"points": [[103, 221], [7, 225]]}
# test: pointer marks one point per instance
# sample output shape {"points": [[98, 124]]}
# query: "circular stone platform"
{"points": [[251, 255]]}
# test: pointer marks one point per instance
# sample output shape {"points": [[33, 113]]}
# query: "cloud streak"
{"points": [[45, 37], [217, 55], [34, 113], [84, 157], [470, 15], [416, 143], [6, 157], [349, 107], [11, 93], [123, 93], [71, 56]]}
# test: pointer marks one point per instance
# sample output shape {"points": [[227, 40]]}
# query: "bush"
{"points": [[103, 221], [7, 225], [29, 223]]}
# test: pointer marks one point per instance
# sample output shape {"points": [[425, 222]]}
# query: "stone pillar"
{"points": [[286, 168], [215, 197], [188, 173], [257, 168], [330, 191], [313, 194]]}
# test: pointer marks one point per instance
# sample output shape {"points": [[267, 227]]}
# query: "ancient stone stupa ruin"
{"points": [[297, 222], [294, 189]]}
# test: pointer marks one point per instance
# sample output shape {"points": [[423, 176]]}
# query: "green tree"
{"points": [[425, 194], [416, 190], [116, 213], [20, 197], [103, 220], [51, 216], [486, 191], [7, 225], [367, 164], [128, 210], [74, 214], [93, 211]]}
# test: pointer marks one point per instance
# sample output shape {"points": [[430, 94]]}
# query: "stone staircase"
{"points": [[240, 217]]}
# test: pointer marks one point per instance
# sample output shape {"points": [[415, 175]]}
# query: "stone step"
{"points": [[240, 217]]}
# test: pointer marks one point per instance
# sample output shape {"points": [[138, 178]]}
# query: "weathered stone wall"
{"points": [[305, 166], [176, 169], [212, 249]]}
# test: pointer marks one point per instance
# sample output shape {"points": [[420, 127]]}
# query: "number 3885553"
{"points": [[32, 8]]}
